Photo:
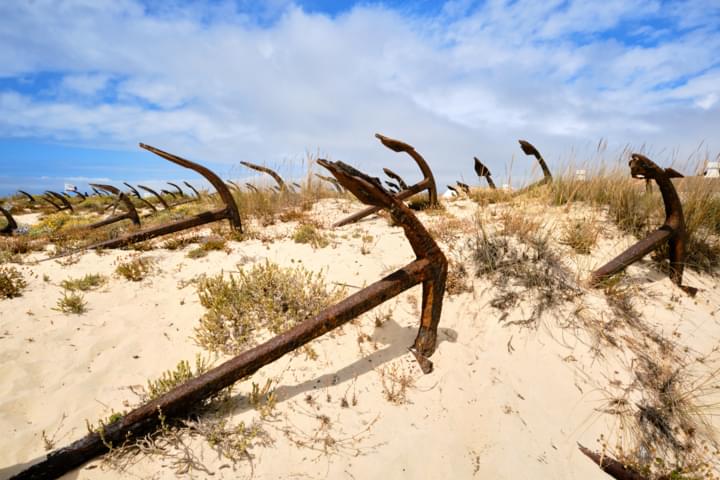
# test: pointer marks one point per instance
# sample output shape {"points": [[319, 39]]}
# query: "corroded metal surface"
{"points": [[430, 269], [131, 214], [156, 195], [11, 223], [529, 149], [138, 196], [672, 230], [611, 466], [176, 187], [278, 179], [401, 183], [427, 183], [29, 197], [189, 185], [229, 212], [66, 205], [482, 171], [331, 181]]}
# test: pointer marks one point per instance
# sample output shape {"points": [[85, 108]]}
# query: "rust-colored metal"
{"points": [[229, 212], [482, 171], [427, 183], [168, 192], [611, 466], [529, 149], [278, 179], [464, 187], [671, 231], [66, 205], [189, 185], [11, 223], [139, 197], [252, 187], [131, 214], [429, 268], [394, 187], [29, 197], [156, 194], [401, 183], [176, 187], [332, 182]]}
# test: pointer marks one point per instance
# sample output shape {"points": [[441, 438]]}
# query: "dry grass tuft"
{"points": [[581, 235], [88, 282]]}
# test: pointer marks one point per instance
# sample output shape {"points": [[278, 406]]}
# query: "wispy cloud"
{"points": [[232, 81]]}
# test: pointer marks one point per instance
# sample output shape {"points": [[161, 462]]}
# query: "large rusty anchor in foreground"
{"points": [[427, 183], [229, 211], [671, 231], [429, 268]]}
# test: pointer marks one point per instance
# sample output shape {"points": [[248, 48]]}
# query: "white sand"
{"points": [[502, 402]]}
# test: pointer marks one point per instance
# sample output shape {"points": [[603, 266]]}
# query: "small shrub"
{"points": [[580, 235], [210, 244], [88, 282], [136, 268], [180, 242], [12, 282], [308, 233], [395, 384], [71, 303], [172, 378], [264, 297]]}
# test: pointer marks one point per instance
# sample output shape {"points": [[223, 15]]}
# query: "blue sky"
{"points": [[83, 81]]}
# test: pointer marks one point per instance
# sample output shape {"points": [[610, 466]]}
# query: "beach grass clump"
{"points": [[309, 233], [71, 302], [85, 283], [266, 297], [12, 282], [581, 235], [136, 268]]}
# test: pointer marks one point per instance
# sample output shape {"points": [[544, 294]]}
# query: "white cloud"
{"points": [[207, 81]]}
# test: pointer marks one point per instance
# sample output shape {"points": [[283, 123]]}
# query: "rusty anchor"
{"points": [[427, 183], [131, 214], [331, 181], [189, 185], [156, 195], [252, 187], [176, 187], [229, 212], [400, 182], [138, 196], [168, 192], [429, 268], [464, 187], [482, 171], [79, 194], [26, 194], [278, 179], [611, 466], [671, 231], [529, 149], [66, 205], [394, 187], [11, 223]]}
